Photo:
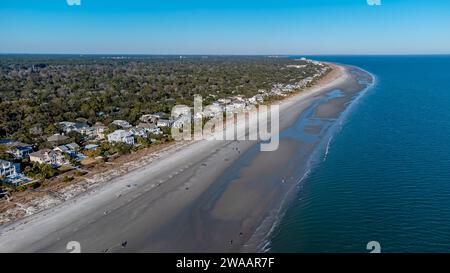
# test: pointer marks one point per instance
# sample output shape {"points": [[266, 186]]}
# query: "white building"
{"points": [[68, 126], [70, 149], [235, 107], [163, 123], [212, 110], [47, 156], [122, 123], [57, 138], [99, 130], [138, 131], [256, 99], [7, 168], [21, 152], [224, 101], [149, 128], [121, 136], [149, 118], [181, 122]]}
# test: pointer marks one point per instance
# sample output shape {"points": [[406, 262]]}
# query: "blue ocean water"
{"points": [[386, 177]]}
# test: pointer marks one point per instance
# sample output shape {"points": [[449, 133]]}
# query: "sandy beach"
{"points": [[209, 196]]}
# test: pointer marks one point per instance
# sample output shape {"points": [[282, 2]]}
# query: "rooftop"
{"points": [[56, 138]]}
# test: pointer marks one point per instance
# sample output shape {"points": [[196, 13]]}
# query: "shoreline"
{"points": [[258, 201], [184, 176], [263, 243]]}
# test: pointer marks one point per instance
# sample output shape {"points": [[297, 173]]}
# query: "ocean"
{"points": [[386, 175]]}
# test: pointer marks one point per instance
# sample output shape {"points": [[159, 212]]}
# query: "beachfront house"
{"points": [[89, 133], [7, 169], [68, 126], [252, 100], [98, 131], [47, 156], [62, 149], [180, 111], [262, 91], [57, 139], [213, 110], [224, 101], [71, 149], [198, 116], [288, 88], [236, 106], [121, 136], [21, 152], [122, 123], [238, 98], [149, 128], [149, 118], [181, 122], [138, 131], [276, 92], [164, 123], [91, 147], [259, 98]]}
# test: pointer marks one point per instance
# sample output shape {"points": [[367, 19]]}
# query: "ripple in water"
{"points": [[386, 175]]}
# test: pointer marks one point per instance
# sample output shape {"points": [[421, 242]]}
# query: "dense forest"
{"points": [[38, 90]]}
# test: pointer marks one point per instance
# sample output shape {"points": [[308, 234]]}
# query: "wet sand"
{"points": [[212, 196]]}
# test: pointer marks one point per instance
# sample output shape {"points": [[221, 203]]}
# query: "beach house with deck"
{"points": [[121, 136], [122, 123], [47, 156], [7, 169], [21, 151]]}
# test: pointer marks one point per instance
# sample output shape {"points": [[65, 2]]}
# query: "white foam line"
{"points": [[340, 120]]}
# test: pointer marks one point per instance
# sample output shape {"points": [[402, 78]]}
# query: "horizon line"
{"points": [[228, 54]]}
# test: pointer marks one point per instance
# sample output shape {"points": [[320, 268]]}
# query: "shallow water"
{"points": [[386, 174]]}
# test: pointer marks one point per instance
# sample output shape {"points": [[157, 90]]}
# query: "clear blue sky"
{"points": [[225, 27]]}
